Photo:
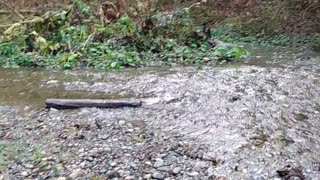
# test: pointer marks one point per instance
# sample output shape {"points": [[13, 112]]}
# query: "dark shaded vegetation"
{"points": [[275, 22]]}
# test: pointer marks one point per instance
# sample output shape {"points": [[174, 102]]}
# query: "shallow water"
{"points": [[260, 117]]}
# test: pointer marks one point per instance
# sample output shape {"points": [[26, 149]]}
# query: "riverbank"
{"points": [[83, 35]]}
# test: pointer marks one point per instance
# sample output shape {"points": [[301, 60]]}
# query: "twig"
{"points": [[69, 46], [85, 44]]}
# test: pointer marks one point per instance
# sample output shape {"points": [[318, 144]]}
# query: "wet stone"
{"points": [[29, 166], [157, 175], [159, 162], [61, 178], [147, 176], [113, 164], [176, 170], [129, 178], [103, 171], [90, 159], [193, 174], [24, 174]]}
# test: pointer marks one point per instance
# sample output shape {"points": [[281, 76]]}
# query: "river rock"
{"points": [[159, 162], [147, 176], [62, 178], [176, 170], [113, 164], [29, 166], [103, 170], [75, 174], [193, 174], [129, 178], [157, 175], [24, 173]]}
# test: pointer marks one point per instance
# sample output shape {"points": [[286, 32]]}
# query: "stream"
{"points": [[235, 122]]}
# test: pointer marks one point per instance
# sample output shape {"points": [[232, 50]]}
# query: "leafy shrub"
{"points": [[78, 36]]}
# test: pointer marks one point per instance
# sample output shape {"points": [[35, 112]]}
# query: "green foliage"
{"points": [[69, 60], [125, 25], [76, 37], [7, 49], [231, 52], [13, 57], [83, 8]]}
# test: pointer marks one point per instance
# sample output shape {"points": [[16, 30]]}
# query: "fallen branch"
{"points": [[89, 103]]}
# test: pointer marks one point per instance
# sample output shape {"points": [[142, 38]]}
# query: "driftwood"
{"points": [[98, 103]]}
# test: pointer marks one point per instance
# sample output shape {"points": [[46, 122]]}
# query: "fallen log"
{"points": [[89, 103]]}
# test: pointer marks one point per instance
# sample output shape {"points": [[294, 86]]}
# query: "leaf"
{"points": [[41, 42], [185, 12], [67, 66], [115, 65]]}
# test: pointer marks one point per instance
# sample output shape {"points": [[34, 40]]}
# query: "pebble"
{"points": [[113, 164], [103, 171], [130, 130], [176, 170], [90, 159], [121, 123], [83, 164], [159, 162], [81, 150], [24, 173], [28, 166], [75, 174], [147, 176], [129, 178], [61, 178], [133, 166], [157, 175], [193, 174]]}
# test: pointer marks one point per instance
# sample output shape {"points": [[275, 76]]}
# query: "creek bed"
{"points": [[237, 122]]}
